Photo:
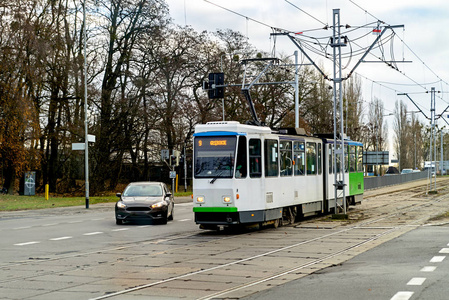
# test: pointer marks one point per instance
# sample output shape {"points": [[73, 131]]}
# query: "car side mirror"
{"points": [[119, 195], [168, 195]]}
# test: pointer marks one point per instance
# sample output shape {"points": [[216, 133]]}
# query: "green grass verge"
{"points": [[14, 202]]}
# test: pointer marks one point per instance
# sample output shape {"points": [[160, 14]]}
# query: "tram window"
{"points": [[240, 167], [352, 159], [299, 158], [346, 159], [214, 157], [359, 159], [286, 158], [271, 158], [311, 159], [338, 158], [331, 159], [255, 158], [319, 159]]}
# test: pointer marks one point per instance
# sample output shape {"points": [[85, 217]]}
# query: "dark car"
{"points": [[145, 200]]}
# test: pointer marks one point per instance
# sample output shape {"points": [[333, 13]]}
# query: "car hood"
{"points": [[141, 201]]}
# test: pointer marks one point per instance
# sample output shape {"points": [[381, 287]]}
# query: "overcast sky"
{"points": [[425, 33]]}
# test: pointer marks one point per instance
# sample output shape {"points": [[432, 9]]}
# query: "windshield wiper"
{"points": [[216, 177]]}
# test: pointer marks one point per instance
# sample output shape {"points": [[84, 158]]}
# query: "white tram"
{"points": [[250, 174]]}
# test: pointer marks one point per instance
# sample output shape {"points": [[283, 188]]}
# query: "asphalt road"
{"points": [[412, 266], [74, 253]]}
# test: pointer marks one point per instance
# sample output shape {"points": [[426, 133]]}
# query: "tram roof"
{"points": [[229, 128]]}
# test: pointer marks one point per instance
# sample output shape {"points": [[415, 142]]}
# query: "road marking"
{"points": [[416, 281], [184, 220], [61, 238], [24, 227], [27, 243], [99, 219], [120, 229], [74, 222], [428, 269], [93, 233], [52, 224], [402, 296], [444, 250], [144, 226], [437, 259]]}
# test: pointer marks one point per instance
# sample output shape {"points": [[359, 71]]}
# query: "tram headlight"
{"points": [[227, 199], [200, 199]]}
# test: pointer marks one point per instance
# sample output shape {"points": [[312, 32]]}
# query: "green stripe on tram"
{"points": [[215, 209]]}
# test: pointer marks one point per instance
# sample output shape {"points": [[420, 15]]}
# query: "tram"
{"points": [[246, 174]]}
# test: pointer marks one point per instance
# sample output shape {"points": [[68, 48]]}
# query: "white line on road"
{"points": [[444, 250], [93, 233], [120, 229], [428, 269], [184, 220], [402, 296], [74, 222], [27, 243], [24, 227], [52, 224], [61, 238], [416, 281], [437, 259]]}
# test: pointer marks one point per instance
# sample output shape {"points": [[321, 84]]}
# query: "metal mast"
{"points": [[339, 148]]}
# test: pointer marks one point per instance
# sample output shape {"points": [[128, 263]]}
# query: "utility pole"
{"points": [[432, 140], [86, 138], [339, 178], [336, 44]]}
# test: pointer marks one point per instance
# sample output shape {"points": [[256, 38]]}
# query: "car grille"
{"points": [[139, 208]]}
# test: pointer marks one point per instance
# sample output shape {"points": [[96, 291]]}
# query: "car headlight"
{"points": [[157, 205], [121, 204], [200, 199]]}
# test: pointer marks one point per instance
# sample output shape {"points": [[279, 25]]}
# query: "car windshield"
{"points": [[143, 191], [214, 156]]}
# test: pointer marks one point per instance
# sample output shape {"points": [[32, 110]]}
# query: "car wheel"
{"points": [[163, 220], [118, 221]]}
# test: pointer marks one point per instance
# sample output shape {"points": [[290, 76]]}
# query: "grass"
{"points": [[14, 202]]}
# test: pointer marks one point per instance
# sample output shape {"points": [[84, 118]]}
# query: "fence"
{"points": [[381, 181]]}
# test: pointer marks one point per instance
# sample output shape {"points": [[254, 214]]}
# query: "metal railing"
{"points": [[381, 181]]}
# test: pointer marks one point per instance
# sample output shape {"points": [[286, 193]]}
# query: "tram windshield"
{"points": [[214, 156]]}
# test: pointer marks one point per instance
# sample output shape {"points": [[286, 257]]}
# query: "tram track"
{"points": [[218, 265], [364, 225]]}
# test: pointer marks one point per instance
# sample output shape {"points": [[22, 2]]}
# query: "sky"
{"points": [[422, 44]]}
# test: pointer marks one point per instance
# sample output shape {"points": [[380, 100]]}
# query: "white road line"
{"points": [[120, 229], [416, 281], [444, 250], [93, 233], [402, 296], [27, 243], [143, 226], [61, 238], [437, 259], [24, 227], [184, 220], [74, 222], [52, 224], [99, 219], [428, 269]]}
